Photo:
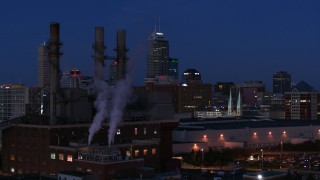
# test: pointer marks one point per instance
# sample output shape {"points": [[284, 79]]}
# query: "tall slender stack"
{"points": [[54, 53], [121, 54], [99, 56]]}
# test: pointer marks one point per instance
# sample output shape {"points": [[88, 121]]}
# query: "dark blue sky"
{"points": [[226, 40]]}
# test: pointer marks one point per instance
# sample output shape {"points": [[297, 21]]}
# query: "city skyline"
{"points": [[225, 41]]}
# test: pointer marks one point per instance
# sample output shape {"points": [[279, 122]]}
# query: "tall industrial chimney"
{"points": [[121, 54], [54, 61], [99, 53]]}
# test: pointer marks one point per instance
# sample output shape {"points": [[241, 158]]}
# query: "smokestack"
{"points": [[99, 53], [54, 61], [121, 54]]}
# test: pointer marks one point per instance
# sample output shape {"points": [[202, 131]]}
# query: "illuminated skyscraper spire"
{"points": [[230, 105], [239, 113]]}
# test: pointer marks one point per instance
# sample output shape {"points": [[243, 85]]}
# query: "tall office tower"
{"points": [[281, 82], [44, 75], [43, 66], [173, 71], [157, 55], [13, 100]]}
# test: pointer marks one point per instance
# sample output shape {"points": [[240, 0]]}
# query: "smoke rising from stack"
{"points": [[119, 94], [101, 105], [101, 102]]}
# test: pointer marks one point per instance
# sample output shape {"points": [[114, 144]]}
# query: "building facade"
{"points": [[51, 149], [157, 55], [303, 102], [13, 100], [281, 82]]}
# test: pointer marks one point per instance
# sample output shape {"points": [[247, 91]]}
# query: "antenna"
{"points": [[155, 24], [159, 24]]}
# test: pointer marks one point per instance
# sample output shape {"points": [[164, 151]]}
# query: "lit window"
{"points": [[118, 131], [11, 157], [12, 170], [154, 151], [61, 157], [144, 130], [128, 153], [145, 152], [69, 158], [52, 156], [135, 131], [136, 152], [88, 170], [155, 131]]}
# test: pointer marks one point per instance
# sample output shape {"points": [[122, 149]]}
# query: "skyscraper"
{"points": [[173, 68], [44, 75], [43, 66], [281, 82], [157, 55]]}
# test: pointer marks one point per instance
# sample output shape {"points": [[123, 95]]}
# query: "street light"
{"points": [[201, 158]]}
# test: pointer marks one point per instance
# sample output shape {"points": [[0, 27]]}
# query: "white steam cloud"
{"points": [[101, 104], [120, 97]]}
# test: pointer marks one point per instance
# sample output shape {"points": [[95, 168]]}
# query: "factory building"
{"points": [[250, 133], [58, 141]]}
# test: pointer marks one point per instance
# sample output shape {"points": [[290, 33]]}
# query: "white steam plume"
{"points": [[101, 102], [120, 97]]}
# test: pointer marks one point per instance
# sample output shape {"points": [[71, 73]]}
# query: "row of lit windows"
{"points": [[145, 152], [61, 157], [136, 131]]}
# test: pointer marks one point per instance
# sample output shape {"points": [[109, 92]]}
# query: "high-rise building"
{"points": [[302, 102], [174, 68], [43, 66], [281, 82], [13, 99], [157, 55]]}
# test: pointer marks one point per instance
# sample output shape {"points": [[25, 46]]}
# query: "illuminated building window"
{"points": [[155, 131], [118, 131], [69, 158], [135, 131], [53, 156], [88, 170], [12, 170], [128, 153], [154, 151], [144, 130], [11, 157], [145, 152], [61, 157], [136, 152]]}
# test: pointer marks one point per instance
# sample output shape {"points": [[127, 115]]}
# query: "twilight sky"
{"points": [[226, 40]]}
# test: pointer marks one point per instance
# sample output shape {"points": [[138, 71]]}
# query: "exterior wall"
{"points": [[251, 137], [46, 149], [13, 100], [194, 97], [302, 105]]}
